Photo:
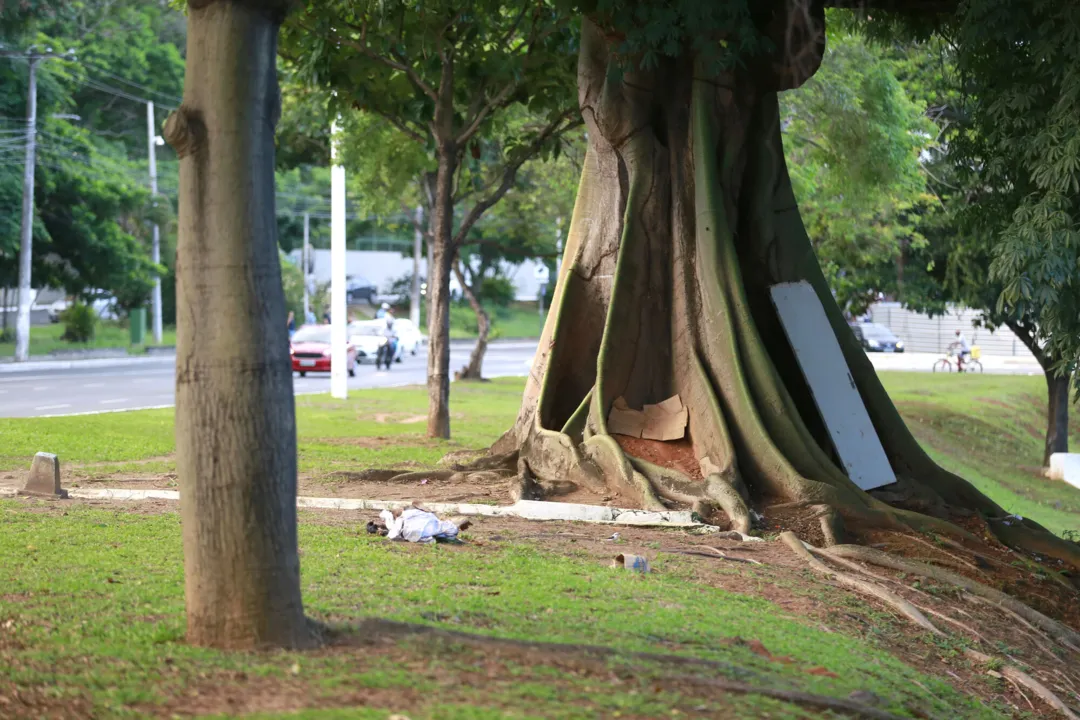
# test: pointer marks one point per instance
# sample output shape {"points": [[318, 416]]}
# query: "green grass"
{"points": [[519, 320], [46, 338], [91, 612], [332, 435], [990, 429]]}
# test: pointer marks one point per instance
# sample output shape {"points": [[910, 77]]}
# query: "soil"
{"points": [[676, 454]]}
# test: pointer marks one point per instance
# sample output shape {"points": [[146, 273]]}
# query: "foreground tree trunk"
{"points": [[685, 216], [474, 370], [1057, 415], [235, 423]]}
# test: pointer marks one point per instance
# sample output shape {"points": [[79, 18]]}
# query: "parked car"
{"points": [[410, 339], [310, 351], [875, 337], [358, 289], [368, 337]]}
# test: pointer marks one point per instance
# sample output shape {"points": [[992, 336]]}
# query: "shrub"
{"points": [[498, 291], [79, 323]]}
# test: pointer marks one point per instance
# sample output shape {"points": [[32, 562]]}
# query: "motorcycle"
{"points": [[385, 354]]}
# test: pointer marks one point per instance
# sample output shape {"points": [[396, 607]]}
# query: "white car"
{"points": [[410, 339], [367, 336]]}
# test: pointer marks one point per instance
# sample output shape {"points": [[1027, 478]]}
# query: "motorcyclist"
{"points": [[391, 338], [382, 311]]}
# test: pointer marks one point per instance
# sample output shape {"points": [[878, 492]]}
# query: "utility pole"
{"points": [[418, 251], [26, 244], [155, 247], [305, 262]]}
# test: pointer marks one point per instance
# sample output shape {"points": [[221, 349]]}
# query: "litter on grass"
{"points": [[419, 525]]}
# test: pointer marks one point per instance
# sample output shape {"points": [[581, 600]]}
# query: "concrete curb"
{"points": [[37, 365], [524, 509]]}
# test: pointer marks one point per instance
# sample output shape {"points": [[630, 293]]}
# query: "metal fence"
{"points": [[922, 333]]}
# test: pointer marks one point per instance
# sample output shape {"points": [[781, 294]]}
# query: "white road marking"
{"points": [[90, 385], [42, 387], [113, 402], [53, 407]]}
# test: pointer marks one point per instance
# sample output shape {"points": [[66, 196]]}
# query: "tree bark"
{"points": [[685, 216], [475, 367], [235, 422], [1057, 415], [1057, 393]]}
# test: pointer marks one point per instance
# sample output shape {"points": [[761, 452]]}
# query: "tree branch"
{"points": [[398, 63], [1026, 337], [411, 133], [555, 127]]}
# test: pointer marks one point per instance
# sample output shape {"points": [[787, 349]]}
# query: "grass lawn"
{"points": [[91, 619], [91, 594], [519, 320], [46, 338], [990, 429]]}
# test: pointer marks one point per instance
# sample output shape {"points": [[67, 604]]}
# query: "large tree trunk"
{"points": [[1057, 415], [474, 370], [235, 421], [685, 217]]}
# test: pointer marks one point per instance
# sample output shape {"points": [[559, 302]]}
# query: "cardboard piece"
{"points": [[664, 421]]}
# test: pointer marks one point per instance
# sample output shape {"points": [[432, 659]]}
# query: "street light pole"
{"points": [[305, 261], [339, 381], [26, 245], [418, 250], [155, 247]]}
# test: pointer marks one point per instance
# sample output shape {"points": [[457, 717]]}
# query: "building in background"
{"points": [[381, 268]]}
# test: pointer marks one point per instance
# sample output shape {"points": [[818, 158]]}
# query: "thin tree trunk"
{"points": [[235, 420], [4, 332], [1057, 415], [442, 256], [475, 369]]}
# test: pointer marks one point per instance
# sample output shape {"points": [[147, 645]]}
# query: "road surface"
{"points": [[150, 384]]}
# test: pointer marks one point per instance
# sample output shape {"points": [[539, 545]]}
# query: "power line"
{"points": [[143, 88]]}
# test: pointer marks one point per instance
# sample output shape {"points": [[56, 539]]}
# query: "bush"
{"points": [[497, 291], [79, 323]]}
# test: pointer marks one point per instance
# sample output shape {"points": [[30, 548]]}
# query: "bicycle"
{"points": [[971, 364]]}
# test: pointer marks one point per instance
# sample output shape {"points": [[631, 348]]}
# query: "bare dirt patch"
{"points": [[676, 454]]}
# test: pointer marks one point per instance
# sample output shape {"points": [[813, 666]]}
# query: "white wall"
{"points": [[382, 267]]}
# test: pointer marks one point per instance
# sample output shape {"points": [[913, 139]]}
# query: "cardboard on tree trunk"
{"points": [[663, 421]]}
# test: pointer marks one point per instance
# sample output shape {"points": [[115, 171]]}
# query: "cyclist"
{"points": [[961, 349]]}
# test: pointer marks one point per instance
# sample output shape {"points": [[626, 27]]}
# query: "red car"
{"points": [[310, 351]]}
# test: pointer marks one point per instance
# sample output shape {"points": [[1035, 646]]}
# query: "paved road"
{"points": [[150, 383]]}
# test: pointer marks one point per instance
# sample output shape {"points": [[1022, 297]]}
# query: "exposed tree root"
{"points": [[1016, 675], [1064, 635], [915, 614], [887, 596]]}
